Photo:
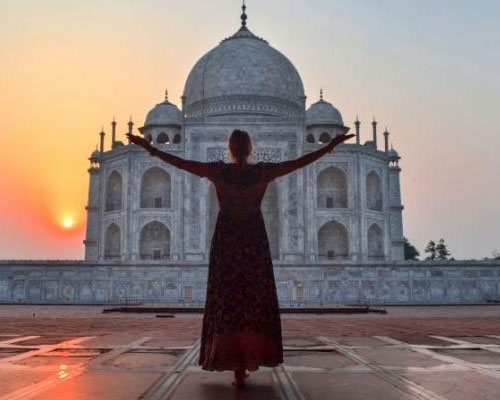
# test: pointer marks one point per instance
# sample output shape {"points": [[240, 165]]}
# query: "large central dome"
{"points": [[244, 75]]}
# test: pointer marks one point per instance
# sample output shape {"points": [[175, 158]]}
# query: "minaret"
{"points": [[113, 133], [92, 232], [374, 124], [130, 126], [101, 149], [396, 236], [386, 141], [357, 123]]}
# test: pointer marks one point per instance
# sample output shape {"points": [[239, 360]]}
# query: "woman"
{"points": [[241, 323]]}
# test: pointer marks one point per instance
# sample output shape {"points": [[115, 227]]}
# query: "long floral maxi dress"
{"points": [[241, 322]]}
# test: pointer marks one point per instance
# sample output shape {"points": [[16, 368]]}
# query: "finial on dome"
{"points": [[243, 15], [166, 94], [321, 94]]}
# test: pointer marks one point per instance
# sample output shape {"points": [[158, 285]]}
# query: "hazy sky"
{"points": [[426, 69]]}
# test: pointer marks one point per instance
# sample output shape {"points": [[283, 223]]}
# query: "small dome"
{"points": [[393, 154], [96, 154], [323, 113], [164, 113]]}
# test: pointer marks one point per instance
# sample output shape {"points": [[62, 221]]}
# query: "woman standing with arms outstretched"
{"points": [[241, 321]]}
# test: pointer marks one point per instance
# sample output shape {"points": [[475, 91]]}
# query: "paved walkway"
{"points": [[398, 364], [108, 367]]}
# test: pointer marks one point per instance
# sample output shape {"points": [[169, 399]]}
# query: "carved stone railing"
{"points": [[320, 282]]}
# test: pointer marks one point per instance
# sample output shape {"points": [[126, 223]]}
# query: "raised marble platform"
{"points": [[184, 283]]}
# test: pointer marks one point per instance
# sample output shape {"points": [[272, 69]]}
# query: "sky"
{"points": [[426, 69]]}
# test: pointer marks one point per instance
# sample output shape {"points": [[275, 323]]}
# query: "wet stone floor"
{"points": [[118, 367]]}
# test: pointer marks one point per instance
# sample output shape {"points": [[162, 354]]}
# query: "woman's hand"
{"points": [[337, 140], [139, 141]]}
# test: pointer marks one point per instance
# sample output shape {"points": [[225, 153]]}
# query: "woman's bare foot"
{"points": [[239, 378]]}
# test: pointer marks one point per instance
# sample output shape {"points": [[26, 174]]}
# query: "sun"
{"points": [[68, 222]]}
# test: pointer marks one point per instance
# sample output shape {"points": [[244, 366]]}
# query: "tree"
{"points": [[442, 250], [411, 252], [431, 249], [496, 254]]}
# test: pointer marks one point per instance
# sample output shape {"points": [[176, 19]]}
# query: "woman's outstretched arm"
{"points": [[195, 167], [285, 167]]}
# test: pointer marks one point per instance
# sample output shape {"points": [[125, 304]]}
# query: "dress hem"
{"points": [[232, 367], [240, 350]]}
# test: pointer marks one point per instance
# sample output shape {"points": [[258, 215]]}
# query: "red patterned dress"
{"points": [[241, 322]]}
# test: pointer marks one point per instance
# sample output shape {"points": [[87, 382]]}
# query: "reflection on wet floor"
{"points": [[301, 341], [147, 358], [46, 340], [63, 371], [328, 359], [398, 357], [43, 361], [120, 367], [423, 340]]}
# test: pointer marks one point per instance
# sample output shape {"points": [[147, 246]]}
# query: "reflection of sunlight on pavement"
{"points": [[63, 373]]}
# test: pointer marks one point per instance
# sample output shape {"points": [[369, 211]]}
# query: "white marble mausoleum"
{"points": [[346, 206]]}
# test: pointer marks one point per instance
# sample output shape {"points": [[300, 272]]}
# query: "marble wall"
{"points": [[300, 284], [126, 202]]}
